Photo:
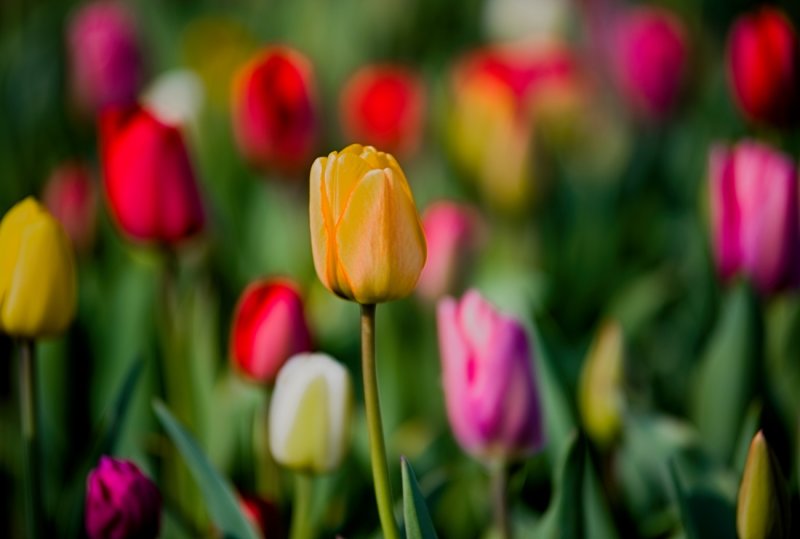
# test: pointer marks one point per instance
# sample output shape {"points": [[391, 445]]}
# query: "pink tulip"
{"points": [[754, 214], [650, 55], [489, 385], [71, 196], [104, 55], [764, 66], [452, 232], [121, 502]]}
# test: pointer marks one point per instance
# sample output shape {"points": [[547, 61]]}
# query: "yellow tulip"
{"points": [[37, 273], [366, 235], [762, 510]]}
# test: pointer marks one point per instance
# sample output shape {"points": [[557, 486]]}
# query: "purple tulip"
{"points": [[754, 214], [489, 385], [105, 60], [650, 55], [121, 502]]}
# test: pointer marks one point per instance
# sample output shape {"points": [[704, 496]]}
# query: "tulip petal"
{"points": [[308, 439]]}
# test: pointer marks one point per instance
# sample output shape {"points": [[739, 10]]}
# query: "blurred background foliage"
{"points": [[619, 232]]}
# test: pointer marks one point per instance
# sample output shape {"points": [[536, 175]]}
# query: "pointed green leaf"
{"points": [[564, 517], [683, 503], [728, 373], [217, 492], [417, 520]]}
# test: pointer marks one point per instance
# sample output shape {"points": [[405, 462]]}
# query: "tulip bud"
{"points": [[497, 95], [384, 106], [762, 510], [366, 236], [452, 233], [175, 97], [268, 328], [754, 214], [149, 181], [309, 417], [105, 61], [275, 110], [599, 394], [37, 273], [489, 385], [121, 502], [763, 60], [650, 60], [70, 195]]}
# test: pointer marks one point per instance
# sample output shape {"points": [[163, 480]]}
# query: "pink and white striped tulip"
{"points": [[754, 214], [489, 384]]}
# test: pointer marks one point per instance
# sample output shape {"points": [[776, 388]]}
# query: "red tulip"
{"points": [[650, 59], [275, 116], [149, 180], [384, 106], [70, 195], [268, 328], [105, 61], [764, 67]]}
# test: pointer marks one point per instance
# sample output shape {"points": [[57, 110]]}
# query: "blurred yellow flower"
{"points": [[366, 236], [37, 273]]}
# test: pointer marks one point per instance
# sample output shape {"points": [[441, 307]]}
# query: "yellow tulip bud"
{"points": [[762, 510], [599, 395], [366, 235], [37, 273], [309, 418]]}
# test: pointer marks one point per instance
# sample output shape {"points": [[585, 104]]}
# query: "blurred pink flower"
{"points": [[489, 385], [763, 59], [384, 106], [754, 214], [121, 502], [71, 196], [104, 56], [650, 56], [452, 232]]}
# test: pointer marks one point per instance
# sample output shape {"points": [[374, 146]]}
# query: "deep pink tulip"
{"points": [[149, 181], [764, 66], [754, 214], [104, 56], [268, 328], [384, 106], [489, 385], [275, 116], [71, 196], [452, 232], [650, 55], [121, 502]]}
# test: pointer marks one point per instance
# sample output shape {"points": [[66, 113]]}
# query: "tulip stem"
{"points": [[498, 475], [30, 453], [301, 512], [377, 446]]}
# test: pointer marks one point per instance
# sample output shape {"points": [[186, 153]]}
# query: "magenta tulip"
{"points": [[764, 66], [650, 52], [452, 232], [105, 60], [121, 502], [489, 384], [754, 214]]}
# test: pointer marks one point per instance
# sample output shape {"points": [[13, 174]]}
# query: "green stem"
{"points": [[301, 512], [498, 476], [30, 453], [377, 447]]}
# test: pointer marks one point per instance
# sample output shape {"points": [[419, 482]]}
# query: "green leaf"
{"points": [[217, 492], [564, 517], [704, 508], [728, 373], [683, 503], [417, 520]]}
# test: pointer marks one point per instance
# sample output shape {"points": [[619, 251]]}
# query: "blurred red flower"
{"points": [[71, 196], [275, 117]]}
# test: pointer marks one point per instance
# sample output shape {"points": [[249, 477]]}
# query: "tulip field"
{"points": [[492, 269]]}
